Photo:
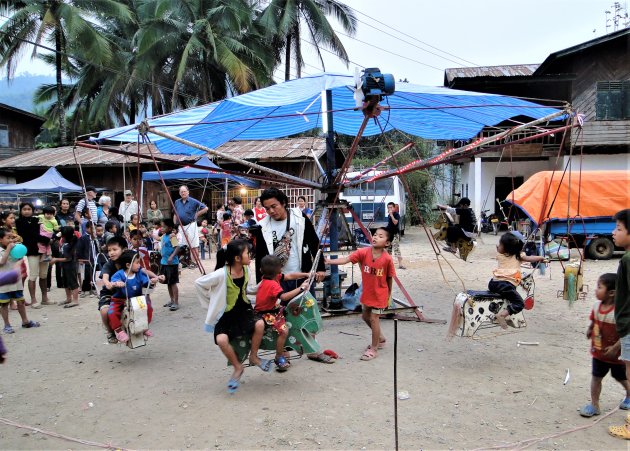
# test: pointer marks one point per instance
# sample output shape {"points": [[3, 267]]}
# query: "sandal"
{"points": [[381, 344], [8, 330], [174, 307], [369, 354], [30, 324], [168, 304], [619, 432], [589, 411], [72, 304], [322, 358], [234, 383], [264, 365], [66, 302], [625, 404], [282, 364]]}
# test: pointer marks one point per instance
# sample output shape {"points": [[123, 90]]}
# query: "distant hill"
{"points": [[18, 92]]}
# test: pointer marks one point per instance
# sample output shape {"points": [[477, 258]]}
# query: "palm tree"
{"points": [[68, 25], [284, 19], [202, 46]]}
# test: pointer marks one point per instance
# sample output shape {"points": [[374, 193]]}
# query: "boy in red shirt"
{"points": [[269, 298], [377, 272], [605, 345]]}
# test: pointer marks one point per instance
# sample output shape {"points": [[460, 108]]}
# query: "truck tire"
{"points": [[601, 248]]}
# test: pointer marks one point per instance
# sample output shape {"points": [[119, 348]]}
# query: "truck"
{"points": [[369, 200], [576, 207]]}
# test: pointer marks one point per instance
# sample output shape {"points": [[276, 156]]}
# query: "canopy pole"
{"points": [[142, 196], [145, 128]]}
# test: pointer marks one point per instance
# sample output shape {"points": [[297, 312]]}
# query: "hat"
{"points": [[128, 192], [244, 225]]}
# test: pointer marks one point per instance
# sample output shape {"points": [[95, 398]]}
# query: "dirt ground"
{"points": [[463, 394]]}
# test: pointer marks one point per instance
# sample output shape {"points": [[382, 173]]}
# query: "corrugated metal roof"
{"points": [[517, 70], [23, 113], [63, 156], [277, 149]]}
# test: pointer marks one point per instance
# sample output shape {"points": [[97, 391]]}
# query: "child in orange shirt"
{"points": [[377, 272]]}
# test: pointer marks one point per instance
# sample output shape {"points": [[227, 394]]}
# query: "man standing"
{"points": [[128, 207], [393, 226], [90, 205], [187, 211], [290, 236]]}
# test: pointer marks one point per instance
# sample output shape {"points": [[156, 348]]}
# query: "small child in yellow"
{"points": [[47, 226]]}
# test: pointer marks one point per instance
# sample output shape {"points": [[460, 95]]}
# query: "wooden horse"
{"points": [[445, 220]]}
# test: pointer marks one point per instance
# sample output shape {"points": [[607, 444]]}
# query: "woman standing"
{"points": [[64, 217], [102, 211], [153, 213], [27, 227]]}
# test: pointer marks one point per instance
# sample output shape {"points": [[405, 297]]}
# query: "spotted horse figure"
{"points": [[476, 310]]}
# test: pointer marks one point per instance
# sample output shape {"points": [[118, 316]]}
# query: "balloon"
{"points": [[18, 251]]}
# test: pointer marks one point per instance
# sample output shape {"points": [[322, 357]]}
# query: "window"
{"points": [[612, 101], [4, 136]]}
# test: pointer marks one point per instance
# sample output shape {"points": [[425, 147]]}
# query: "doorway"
{"points": [[503, 187]]}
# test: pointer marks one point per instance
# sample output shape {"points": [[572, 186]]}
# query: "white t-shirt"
{"points": [[128, 209], [277, 231]]}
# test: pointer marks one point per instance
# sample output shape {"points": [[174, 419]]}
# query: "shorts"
{"points": [[170, 273], [617, 370], [36, 268], [70, 279], [374, 310], [394, 248], [104, 301], [625, 348], [9, 296], [192, 233]]}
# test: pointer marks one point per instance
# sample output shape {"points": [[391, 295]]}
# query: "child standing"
{"points": [[128, 281], [268, 300], [230, 314], [377, 272], [11, 291], [226, 228], [69, 267], [170, 262], [605, 346], [47, 226], [507, 275], [621, 237]]}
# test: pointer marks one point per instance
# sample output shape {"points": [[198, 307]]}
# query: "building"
{"points": [[18, 130], [594, 77]]}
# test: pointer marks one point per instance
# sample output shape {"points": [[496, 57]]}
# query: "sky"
{"points": [[473, 32]]}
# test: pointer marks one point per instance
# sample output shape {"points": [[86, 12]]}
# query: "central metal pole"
{"points": [[333, 229]]}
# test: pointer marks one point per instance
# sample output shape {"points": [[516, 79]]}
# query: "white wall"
{"points": [[617, 162]]}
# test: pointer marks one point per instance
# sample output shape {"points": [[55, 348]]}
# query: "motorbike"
{"points": [[489, 222]]}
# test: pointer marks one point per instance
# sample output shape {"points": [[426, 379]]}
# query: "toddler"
{"points": [[48, 225], [605, 345]]}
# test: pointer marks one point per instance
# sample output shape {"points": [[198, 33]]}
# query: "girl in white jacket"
{"points": [[230, 313]]}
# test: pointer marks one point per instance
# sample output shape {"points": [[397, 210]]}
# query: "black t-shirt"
{"points": [[68, 251], [394, 229], [110, 269], [467, 219]]}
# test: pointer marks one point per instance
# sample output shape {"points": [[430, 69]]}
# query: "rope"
{"points": [[524, 444], [147, 140], [61, 436]]}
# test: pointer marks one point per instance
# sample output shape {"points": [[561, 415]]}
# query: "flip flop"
{"points": [[168, 304], [66, 302], [72, 304], [282, 364], [589, 411], [265, 365], [234, 383], [30, 324], [625, 404], [174, 307], [619, 432]]}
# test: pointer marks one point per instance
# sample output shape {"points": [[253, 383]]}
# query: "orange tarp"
{"points": [[598, 193]]}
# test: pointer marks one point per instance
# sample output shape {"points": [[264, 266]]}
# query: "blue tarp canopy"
{"points": [[50, 182], [214, 173], [295, 106]]}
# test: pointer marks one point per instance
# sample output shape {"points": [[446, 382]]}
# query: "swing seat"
{"points": [[476, 310], [135, 321], [304, 321]]}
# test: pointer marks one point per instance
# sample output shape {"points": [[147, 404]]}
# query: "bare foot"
{"points": [[500, 317]]}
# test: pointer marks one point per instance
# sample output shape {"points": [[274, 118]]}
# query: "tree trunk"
{"points": [[287, 59], [61, 111], [132, 110], [298, 49]]}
